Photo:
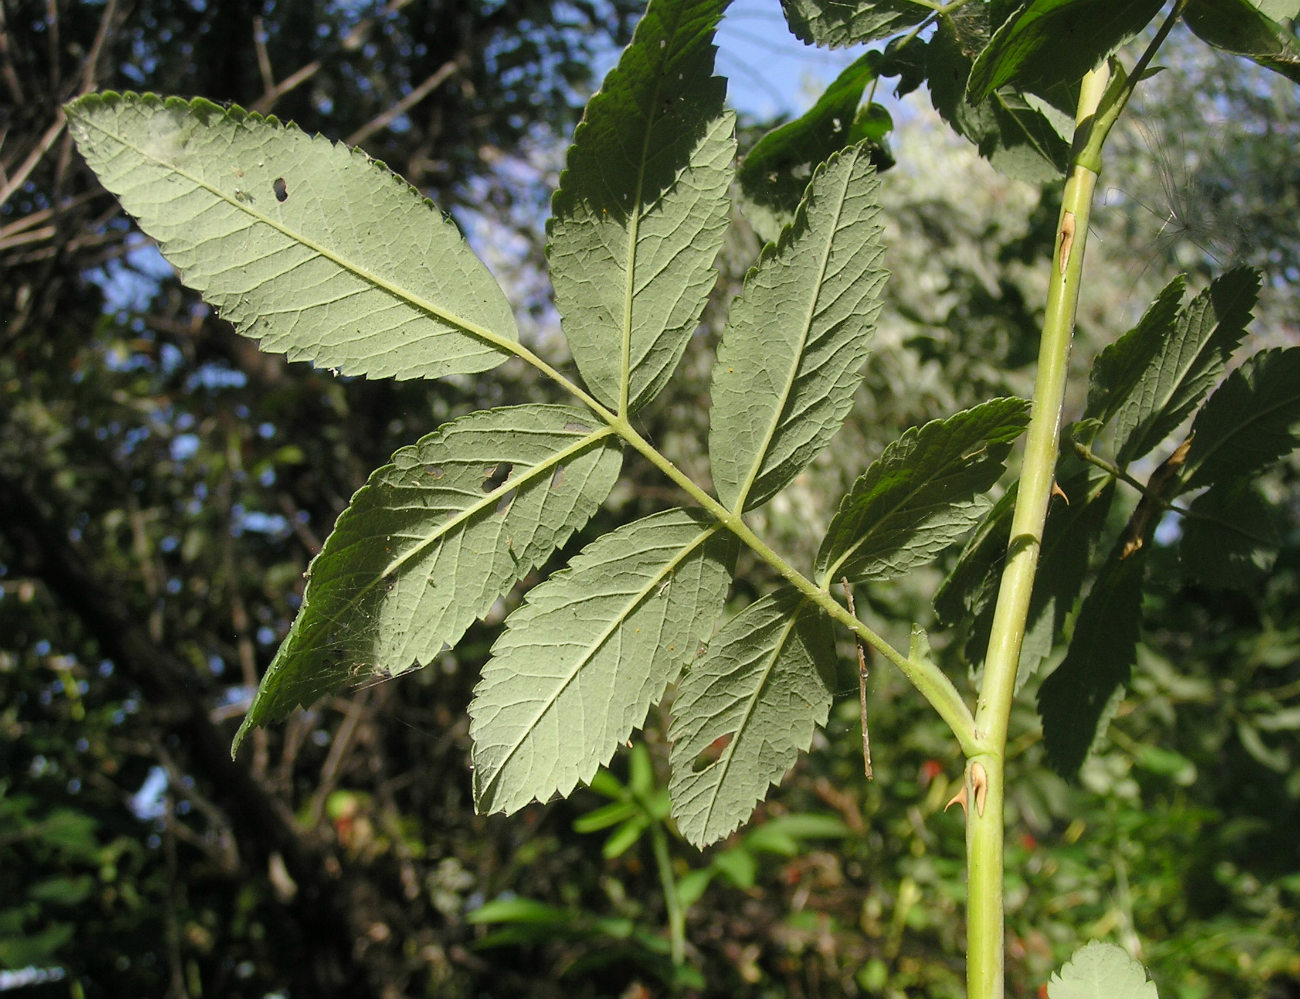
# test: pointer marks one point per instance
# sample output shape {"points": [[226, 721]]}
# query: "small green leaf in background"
{"points": [[643, 205], [589, 651], [1050, 42], [605, 816], [797, 335], [775, 172], [1101, 971], [638, 805], [755, 699], [1250, 28], [784, 834], [925, 492], [1183, 363], [738, 865], [311, 248], [518, 910], [1079, 697], [63, 890], [1166, 763], [1250, 421], [526, 921], [836, 23], [22, 947], [431, 541], [1018, 138], [69, 830]]}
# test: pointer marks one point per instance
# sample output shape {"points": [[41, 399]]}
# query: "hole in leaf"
{"points": [[434, 470], [281, 189], [558, 477], [711, 754], [577, 428], [503, 504], [496, 475]]}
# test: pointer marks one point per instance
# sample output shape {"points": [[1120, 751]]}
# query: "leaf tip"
{"points": [[243, 731]]}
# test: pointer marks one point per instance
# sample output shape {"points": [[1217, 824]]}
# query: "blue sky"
{"points": [[771, 71]]}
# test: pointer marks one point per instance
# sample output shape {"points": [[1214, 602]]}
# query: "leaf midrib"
{"points": [[788, 625], [488, 500], [777, 421], [634, 227]]}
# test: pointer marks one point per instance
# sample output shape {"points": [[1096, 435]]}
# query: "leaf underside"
{"points": [[590, 650], [432, 540], [790, 355], [310, 247], [763, 688], [1101, 971], [1118, 369], [642, 207], [1243, 27], [1231, 537], [1070, 538]]}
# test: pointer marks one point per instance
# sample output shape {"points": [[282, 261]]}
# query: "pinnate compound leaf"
{"points": [[431, 541], [763, 688], [1186, 363], [1101, 971], [797, 335], [1078, 699], [926, 491], [836, 23], [590, 650], [312, 248], [1250, 421], [643, 205], [1244, 27], [1049, 42]]}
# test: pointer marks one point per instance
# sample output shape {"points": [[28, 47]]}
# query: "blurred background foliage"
{"points": [[163, 485]]}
